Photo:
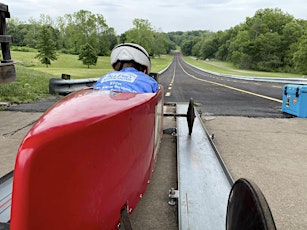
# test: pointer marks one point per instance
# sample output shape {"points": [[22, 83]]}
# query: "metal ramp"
{"points": [[203, 180], [6, 183]]}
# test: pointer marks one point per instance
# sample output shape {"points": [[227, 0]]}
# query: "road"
{"points": [[220, 95]]}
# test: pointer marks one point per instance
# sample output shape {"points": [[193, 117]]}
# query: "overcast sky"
{"points": [[165, 15]]}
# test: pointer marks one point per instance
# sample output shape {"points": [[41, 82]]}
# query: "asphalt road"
{"points": [[220, 96], [215, 95]]}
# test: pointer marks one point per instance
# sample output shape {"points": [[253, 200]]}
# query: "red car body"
{"points": [[85, 159]]}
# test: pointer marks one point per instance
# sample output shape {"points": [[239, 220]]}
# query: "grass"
{"points": [[65, 63], [29, 86], [69, 64], [33, 77], [229, 68]]}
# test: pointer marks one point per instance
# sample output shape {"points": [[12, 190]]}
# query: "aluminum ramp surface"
{"points": [[204, 183], [6, 184]]}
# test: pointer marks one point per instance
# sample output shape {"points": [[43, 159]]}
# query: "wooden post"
{"points": [[7, 68]]}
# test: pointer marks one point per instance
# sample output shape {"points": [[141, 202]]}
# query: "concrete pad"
{"points": [[272, 153], [14, 127]]}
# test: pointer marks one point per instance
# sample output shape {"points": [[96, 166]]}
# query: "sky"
{"points": [[163, 15]]}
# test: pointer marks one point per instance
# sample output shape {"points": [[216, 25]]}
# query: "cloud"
{"points": [[171, 15]]}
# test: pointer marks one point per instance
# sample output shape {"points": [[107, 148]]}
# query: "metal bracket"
{"points": [[124, 219], [171, 131], [173, 196], [190, 115]]}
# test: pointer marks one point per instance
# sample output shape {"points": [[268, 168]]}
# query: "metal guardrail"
{"points": [[299, 81], [65, 85], [261, 79]]}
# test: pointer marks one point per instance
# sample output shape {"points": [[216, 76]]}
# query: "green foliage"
{"points": [[156, 43], [22, 49], [268, 41], [84, 27], [300, 56], [71, 31], [46, 47], [142, 34], [88, 55]]}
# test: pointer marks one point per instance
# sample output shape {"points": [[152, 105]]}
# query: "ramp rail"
{"points": [[204, 182], [6, 183]]}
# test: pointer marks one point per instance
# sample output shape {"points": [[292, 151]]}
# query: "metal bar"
{"points": [[174, 115], [202, 183]]}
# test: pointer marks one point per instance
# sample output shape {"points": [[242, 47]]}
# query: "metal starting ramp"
{"points": [[207, 196], [204, 183], [6, 183]]}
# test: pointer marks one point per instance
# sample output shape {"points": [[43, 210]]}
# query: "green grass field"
{"points": [[33, 77], [228, 68], [69, 64]]}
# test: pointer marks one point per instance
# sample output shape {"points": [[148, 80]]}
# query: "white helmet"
{"points": [[131, 51]]}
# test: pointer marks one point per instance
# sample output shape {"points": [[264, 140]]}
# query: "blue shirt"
{"points": [[127, 80]]}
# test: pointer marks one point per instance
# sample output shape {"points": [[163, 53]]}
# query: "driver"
{"points": [[131, 64]]}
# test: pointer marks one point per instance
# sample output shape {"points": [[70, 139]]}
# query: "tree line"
{"points": [[271, 40], [72, 31]]}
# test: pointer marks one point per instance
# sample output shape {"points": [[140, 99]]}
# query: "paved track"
{"points": [[219, 95]]}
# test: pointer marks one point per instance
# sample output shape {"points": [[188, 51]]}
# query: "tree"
{"points": [[46, 46], [239, 50], [142, 34], [292, 33], [84, 27], [88, 55], [300, 56]]}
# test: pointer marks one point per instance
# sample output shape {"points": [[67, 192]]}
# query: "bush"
{"points": [[22, 49]]}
